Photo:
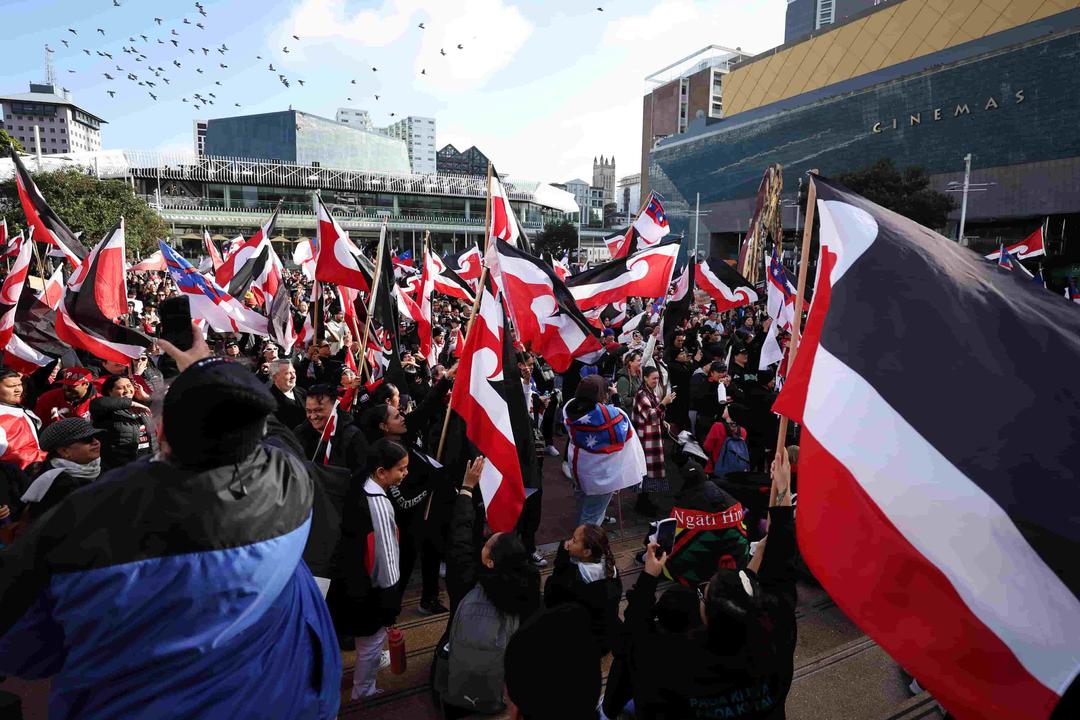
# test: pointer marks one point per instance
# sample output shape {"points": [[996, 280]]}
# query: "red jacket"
{"points": [[52, 406], [714, 443], [18, 437]]}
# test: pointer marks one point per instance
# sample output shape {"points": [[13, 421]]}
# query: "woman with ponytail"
{"points": [[585, 573]]}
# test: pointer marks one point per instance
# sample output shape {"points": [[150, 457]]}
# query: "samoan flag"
{"points": [[208, 301], [651, 224]]}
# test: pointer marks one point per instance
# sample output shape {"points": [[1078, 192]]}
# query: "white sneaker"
{"points": [[610, 520], [384, 660], [552, 451], [537, 559]]}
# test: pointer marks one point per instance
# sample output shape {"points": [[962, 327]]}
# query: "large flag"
{"points": [[280, 325], [724, 285], [504, 225], [544, 312], [643, 274], [385, 321], [1031, 246], [83, 320], [619, 244], [254, 265], [338, 259], [304, 257], [48, 226], [651, 223], [448, 282], [487, 395], [467, 264], [12, 288], [958, 548], [423, 303], [209, 301], [153, 261], [213, 253]]}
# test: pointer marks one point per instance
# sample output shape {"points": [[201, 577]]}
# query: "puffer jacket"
{"points": [[128, 435], [159, 591]]}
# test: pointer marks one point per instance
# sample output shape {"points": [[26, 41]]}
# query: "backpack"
{"points": [[469, 666], [734, 457]]}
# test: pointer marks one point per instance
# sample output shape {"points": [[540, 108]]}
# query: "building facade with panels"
{"points": [[419, 136], [922, 82], [299, 137], [467, 162], [62, 125]]}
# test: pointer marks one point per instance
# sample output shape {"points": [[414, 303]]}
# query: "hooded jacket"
{"points": [[161, 591], [600, 597], [128, 435]]}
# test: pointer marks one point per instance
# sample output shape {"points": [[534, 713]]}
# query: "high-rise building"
{"points": [[628, 194], [690, 88], [354, 117], [291, 135], [603, 176], [469, 162], [62, 125], [198, 130], [419, 136], [806, 17]]}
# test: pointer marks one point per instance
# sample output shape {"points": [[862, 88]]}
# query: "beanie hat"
{"points": [[215, 414]]}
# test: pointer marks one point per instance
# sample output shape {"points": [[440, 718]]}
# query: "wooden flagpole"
{"points": [[472, 316], [796, 327], [371, 300]]}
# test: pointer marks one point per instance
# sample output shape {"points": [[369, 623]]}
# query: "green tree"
{"points": [[555, 237], [906, 192], [91, 206], [6, 140]]}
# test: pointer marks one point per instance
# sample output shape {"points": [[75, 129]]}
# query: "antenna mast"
{"points": [[50, 71]]}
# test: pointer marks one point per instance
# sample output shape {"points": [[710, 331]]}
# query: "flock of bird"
{"points": [[150, 74]]}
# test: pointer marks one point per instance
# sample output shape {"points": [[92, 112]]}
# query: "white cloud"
{"points": [[491, 32]]}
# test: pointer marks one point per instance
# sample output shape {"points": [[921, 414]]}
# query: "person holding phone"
{"points": [[743, 654]]}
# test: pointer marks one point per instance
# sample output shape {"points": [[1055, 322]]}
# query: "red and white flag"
{"points": [[9, 246], [338, 259], [54, 289], [152, 262], [94, 298], [423, 302], [619, 244], [253, 266], [212, 252], [304, 257], [651, 223], [48, 226], [487, 396], [644, 274], [329, 433], [468, 265], [504, 225], [1031, 246], [449, 283], [12, 288]]}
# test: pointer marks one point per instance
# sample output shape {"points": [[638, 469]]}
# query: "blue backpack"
{"points": [[734, 457]]}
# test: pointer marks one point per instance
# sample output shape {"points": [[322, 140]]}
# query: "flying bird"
{"points": [[101, 31], [284, 49], [173, 31], [301, 83], [107, 55], [199, 70], [272, 68], [421, 26], [183, 99], [374, 69], [186, 21], [65, 43], [296, 37], [376, 97], [212, 95], [460, 46], [160, 41], [236, 104], [175, 43], [353, 82], [71, 71], [391, 114], [86, 51], [108, 76], [151, 94], [112, 93], [423, 71], [441, 51], [600, 9], [349, 99], [157, 20], [224, 46], [205, 51], [176, 63], [191, 50], [217, 82], [166, 80], [144, 38], [223, 66], [116, 3], [131, 39], [200, 26]]}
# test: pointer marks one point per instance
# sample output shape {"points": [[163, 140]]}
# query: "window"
{"points": [[826, 13]]}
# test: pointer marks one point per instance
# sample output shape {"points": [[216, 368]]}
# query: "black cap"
{"points": [[215, 414], [66, 432]]}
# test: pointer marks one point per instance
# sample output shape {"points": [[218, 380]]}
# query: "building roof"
{"points": [[47, 98], [577, 181]]}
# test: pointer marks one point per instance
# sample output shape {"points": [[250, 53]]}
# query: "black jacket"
{"points": [[290, 412], [601, 598], [349, 449], [680, 676], [128, 435]]}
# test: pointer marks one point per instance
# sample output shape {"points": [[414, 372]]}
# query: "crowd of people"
{"points": [[180, 532]]}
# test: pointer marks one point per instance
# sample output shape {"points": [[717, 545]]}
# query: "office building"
{"points": [[198, 130], [62, 125], [294, 136], [919, 82], [354, 117], [469, 162], [628, 193], [418, 133]]}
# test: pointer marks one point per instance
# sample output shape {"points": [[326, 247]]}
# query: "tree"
{"points": [[556, 237], [6, 140], [907, 193], [91, 206]]}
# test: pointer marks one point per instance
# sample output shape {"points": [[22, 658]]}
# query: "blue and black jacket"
{"points": [[159, 592]]}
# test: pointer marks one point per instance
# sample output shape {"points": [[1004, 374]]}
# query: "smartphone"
{"points": [[175, 325], [665, 536]]}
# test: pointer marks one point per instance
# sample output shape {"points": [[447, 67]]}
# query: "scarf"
{"points": [[44, 481], [592, 571]]}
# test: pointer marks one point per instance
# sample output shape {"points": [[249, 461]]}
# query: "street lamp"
{"points": [[966, 187]]}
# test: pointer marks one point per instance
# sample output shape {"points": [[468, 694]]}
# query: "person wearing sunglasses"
{"points": [[743, 653], [74, 460]]}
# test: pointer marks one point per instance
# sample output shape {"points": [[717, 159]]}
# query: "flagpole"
{"points": [[371, 300], [472, 316], [315, 294], [796, 326]]}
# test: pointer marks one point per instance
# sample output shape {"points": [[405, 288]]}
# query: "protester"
{"points": [[291, 399], [129, 431], [648, 418], [364, 596], [71, 399], [628, 380], [604, 454], [585, 573], [346, 448], [192, 600], [74, 461], [18, 427]]}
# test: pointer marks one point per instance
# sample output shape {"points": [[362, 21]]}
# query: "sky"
{"points": [[540, 86]]}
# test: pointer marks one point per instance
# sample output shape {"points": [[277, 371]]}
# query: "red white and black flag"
{"points": [[213, 253], [280, 325], [9, 246], [449, 283], [724, 285], [48, 227], [338, 260], [679, 305], [958, 545], [85, 318], [545, 315], [12, 288], [487, 395], [467, 264], [253, 266], [643, 274]]}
